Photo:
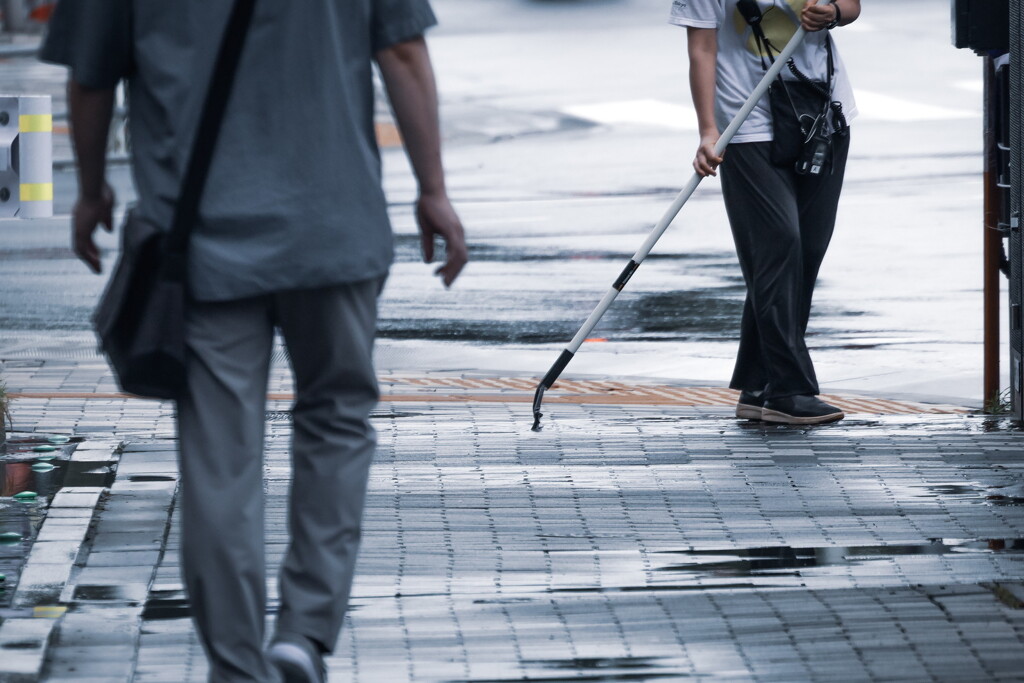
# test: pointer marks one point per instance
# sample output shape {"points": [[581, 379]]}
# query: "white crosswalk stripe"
{"points": [[878, 107], [872, 106], [643, 112]]}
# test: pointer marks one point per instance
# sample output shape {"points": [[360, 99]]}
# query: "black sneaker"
{"points": [[297, 659], [750, 405], [800, 410]]}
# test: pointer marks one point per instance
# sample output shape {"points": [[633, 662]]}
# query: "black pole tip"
{"points": [[537, 399]]}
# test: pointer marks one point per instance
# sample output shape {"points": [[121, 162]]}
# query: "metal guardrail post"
{"points": [[26, 156]]}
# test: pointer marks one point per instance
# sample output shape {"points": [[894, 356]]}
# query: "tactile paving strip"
{"points": [[622, 393], [448, 389]]}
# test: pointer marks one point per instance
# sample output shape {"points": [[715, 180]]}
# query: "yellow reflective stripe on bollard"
{"points": [[37, 192], [35, 123]]}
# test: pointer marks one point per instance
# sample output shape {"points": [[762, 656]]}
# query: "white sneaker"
{"points": [[297, 663]]}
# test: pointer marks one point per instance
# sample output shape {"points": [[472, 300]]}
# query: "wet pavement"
{"points": [[631, 542], [33, 469], [644, 534]]}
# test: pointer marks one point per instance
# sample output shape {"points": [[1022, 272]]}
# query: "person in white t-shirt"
{"points": [[782, 213]]}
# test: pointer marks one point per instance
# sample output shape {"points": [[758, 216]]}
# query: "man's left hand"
{"points": [[435, 215], [87, 214], [817, 15]]}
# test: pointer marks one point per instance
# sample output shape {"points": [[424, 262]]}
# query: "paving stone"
{"points": [[23, 643], [55, 552], [77, 497], [41, 583], [573, 552]]}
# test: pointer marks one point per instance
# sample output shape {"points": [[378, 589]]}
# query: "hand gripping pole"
{"points": [[659, 229]]}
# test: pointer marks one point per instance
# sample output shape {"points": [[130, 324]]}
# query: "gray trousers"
{"points": [[782, 223], [329, 335]]}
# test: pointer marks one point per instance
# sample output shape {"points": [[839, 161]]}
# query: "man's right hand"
{"points": [[87, 214], [707, 162]]}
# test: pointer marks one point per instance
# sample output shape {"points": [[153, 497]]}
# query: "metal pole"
{"points": [[662, 225], [992, 241], [16, 16], [1016, 121]]}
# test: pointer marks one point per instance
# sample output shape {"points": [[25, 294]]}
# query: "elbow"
{"points": [[406, 52], [851, 11]]}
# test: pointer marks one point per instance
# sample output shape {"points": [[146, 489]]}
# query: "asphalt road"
{"points": [[568, 130]]}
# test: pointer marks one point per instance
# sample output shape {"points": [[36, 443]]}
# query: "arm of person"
{"points": [[90, 111], [409, 79], [702, 48], [816, 15]]}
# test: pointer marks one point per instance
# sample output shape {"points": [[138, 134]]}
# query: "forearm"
{"points": [[90, 112], [409, 79], [849, 10], [702, 48]]}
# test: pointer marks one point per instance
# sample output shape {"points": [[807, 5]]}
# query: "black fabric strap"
{"points": [[839, 17], [752, 15], [187, 209]]}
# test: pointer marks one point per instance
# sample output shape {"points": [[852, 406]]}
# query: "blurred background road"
{"points": [[568, 130]]}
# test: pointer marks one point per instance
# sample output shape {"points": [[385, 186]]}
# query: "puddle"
{"points": [[1013, 501], [596, 669], [711, 313], [666, 587], [163, 605], [161, 610], [972, 492], [1006, 495], [600, 663], [787, 561], [286, 415], [87, 592], [22, 645], [949, 490], [24, 469], [88, 474], [22, 447]]}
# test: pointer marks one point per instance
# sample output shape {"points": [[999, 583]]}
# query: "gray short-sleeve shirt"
{"points": [[294, 196]]}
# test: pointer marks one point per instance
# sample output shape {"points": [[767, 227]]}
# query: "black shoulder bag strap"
{"points": [[187, 209], [752, 14]]}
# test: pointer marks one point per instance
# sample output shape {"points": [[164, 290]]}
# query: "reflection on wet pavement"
{"points": [[781, 559], [687, 297], [595, 670], [25, 470]]}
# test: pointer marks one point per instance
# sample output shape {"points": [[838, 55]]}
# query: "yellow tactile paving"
{"points": [[594, 391], [447, 389]]}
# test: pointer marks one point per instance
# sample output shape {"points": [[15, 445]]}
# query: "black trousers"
{"points": [[782, 223]]}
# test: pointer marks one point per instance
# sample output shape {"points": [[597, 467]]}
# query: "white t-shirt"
{"points": [[739, 62]]}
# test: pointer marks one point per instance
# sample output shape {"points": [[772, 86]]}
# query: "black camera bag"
{"points": [[140, 319]]}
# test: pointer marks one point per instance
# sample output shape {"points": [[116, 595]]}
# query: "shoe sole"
{"points": [[293, 664], [748, 412], [782, 418]]}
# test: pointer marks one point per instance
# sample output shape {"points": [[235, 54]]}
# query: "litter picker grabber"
{"points": [[659, 229]]}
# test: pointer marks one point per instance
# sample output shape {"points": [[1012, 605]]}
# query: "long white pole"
{"points": [[662, 225]]}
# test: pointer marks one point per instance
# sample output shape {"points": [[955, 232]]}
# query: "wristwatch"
{"points": [[839, 17]]}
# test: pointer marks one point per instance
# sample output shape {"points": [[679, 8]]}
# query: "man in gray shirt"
{"points": [[293, 234]]}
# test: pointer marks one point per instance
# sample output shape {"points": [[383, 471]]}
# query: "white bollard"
{"points": [[26, 156]]}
